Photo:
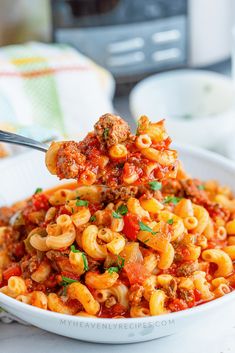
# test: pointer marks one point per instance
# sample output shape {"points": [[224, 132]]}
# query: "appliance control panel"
{"points": [[130, 49]]}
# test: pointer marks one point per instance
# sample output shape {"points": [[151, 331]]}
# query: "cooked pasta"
{"points": [[97, 159], [156, 242]]}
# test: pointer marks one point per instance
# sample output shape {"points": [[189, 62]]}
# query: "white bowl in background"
{"points": [[21, 175], [198, 105]]}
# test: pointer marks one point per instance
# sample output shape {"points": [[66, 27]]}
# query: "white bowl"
{"points": [[21, 175], [199, 106]]}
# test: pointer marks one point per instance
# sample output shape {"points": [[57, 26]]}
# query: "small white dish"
{"points": [[190, 101], [21, 175]]}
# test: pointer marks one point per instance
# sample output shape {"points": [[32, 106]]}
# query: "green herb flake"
{"points": [[172, 199], [113, 269], [120, 262], [201, 187], [122, 210], [67, 280], [155, 185], [82, 203], [85, 262], [170, 221], [146, 228], [116, 215], [146, 241], [84, 258], [38, 190], [106, 133], [73, 249], [93, 218]]}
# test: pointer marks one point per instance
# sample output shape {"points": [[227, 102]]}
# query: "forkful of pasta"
{"points": [[110, 155]]}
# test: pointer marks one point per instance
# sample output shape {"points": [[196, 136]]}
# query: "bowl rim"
{"points": [[193, 151], [204, 118], [11, 302]]}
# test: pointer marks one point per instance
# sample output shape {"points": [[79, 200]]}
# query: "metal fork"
{"points": [[15, 139]]}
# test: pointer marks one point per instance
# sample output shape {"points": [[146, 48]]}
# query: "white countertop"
{"points": [[215, 335]]}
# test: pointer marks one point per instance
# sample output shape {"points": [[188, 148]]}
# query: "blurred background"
{"points": [[65, 62]]}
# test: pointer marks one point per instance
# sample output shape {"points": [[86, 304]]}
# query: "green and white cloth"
{"points": [[52, 86]]}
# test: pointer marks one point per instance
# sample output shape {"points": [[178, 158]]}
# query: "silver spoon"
{"points": [[15, 139]]}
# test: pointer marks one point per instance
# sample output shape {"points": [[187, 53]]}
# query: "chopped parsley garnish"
{"points": [[155, 185], [73, 249], [122, 209], [201, 187], [120, 262], [170, 221], [67, 280], [82, 203], [116, 215], [113, 269], [38, 190], [106, 133], [84, 258], [172, 199], [93, 218], [146, 241], [146, 228], [85, 262], [120, 265]]}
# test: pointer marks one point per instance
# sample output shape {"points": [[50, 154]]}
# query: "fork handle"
{"points": [[15, 139]]}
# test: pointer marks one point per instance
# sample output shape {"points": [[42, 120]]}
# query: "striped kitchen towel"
{"points": [[52, 86]]}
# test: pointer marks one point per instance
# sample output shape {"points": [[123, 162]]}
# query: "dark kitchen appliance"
{"points": [[131, 38]]}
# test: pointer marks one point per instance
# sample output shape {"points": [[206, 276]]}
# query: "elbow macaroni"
{"points": [[89, 252], [157, 303], [83, 295], [221, 259]]}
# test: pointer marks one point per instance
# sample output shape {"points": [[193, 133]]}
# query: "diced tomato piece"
{"points": [[40, 201], [136, 273], [14, 270], [178, 305], [197, 295], [131, 226]]}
